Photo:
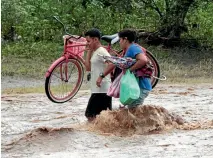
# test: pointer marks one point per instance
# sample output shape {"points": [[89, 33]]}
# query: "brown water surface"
{"points": [[176, 121]]}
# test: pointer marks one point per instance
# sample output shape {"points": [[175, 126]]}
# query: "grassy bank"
{"points": [[179, 65], [184, 65], [28, 60]]}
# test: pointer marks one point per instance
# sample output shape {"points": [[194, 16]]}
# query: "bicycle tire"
{"points": [[156, 66], [54, 92]]}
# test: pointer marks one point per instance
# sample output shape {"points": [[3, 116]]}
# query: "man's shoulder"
{"points": [[102, 50], [135, 49], [135, 46]]}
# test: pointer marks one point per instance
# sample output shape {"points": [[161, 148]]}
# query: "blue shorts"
{"points": [[143, 94]]}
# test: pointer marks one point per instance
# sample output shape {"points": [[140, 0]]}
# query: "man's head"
{"points": [[126, 38], [93, 37]]}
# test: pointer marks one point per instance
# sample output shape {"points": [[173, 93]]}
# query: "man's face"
{"points": [[92, 42], [123, 43]]}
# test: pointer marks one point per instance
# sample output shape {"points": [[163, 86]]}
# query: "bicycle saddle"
{"points": [[110, 38]]}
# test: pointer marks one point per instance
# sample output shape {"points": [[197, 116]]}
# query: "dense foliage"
{"points": [[30, 20], [30, 32]]}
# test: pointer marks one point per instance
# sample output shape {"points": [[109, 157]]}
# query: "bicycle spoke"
{"points": [[57, 76], [71, 73]]}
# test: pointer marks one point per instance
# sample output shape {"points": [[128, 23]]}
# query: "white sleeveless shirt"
{"points": [[98, 66]]}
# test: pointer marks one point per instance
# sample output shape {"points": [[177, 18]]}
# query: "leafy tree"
{"points": [[160, 20], [172, 14]]}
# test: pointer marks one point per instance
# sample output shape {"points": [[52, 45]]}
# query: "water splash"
{"points": [[142, 120]]}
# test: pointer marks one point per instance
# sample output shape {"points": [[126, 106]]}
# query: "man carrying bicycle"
{"points": [[99, 82], [134, 51]]}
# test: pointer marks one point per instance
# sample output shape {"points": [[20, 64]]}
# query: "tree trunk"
{"points": [[173, 22]]}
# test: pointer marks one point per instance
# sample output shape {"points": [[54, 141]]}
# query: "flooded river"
{"points": [[176, 121]]}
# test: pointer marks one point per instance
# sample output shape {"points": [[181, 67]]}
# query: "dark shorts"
{"points": [[97, 103]]}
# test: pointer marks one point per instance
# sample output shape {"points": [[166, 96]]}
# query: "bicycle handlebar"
{"points": [[65, 30]]}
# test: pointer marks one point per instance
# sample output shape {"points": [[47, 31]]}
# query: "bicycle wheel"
{"points": [[57, 88], [155, 64]]}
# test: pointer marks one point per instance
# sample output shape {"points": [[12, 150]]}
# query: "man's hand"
{"points": [[98, 82]]}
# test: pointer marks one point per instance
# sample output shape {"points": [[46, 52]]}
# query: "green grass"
{"points": [[38, 89], [28, 60], [30, 68], [179, 65], [185, 65]]}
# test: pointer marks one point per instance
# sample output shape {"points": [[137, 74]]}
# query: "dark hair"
{"points": [[93, 33], [129, 34]]}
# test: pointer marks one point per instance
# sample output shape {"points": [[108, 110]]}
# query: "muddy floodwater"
{"points": [[176, 121]]}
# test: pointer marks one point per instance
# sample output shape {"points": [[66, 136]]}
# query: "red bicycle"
{"points": [[65, 76]]}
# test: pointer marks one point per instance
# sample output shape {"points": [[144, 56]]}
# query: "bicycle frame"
{"points": [[69, 54]]}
